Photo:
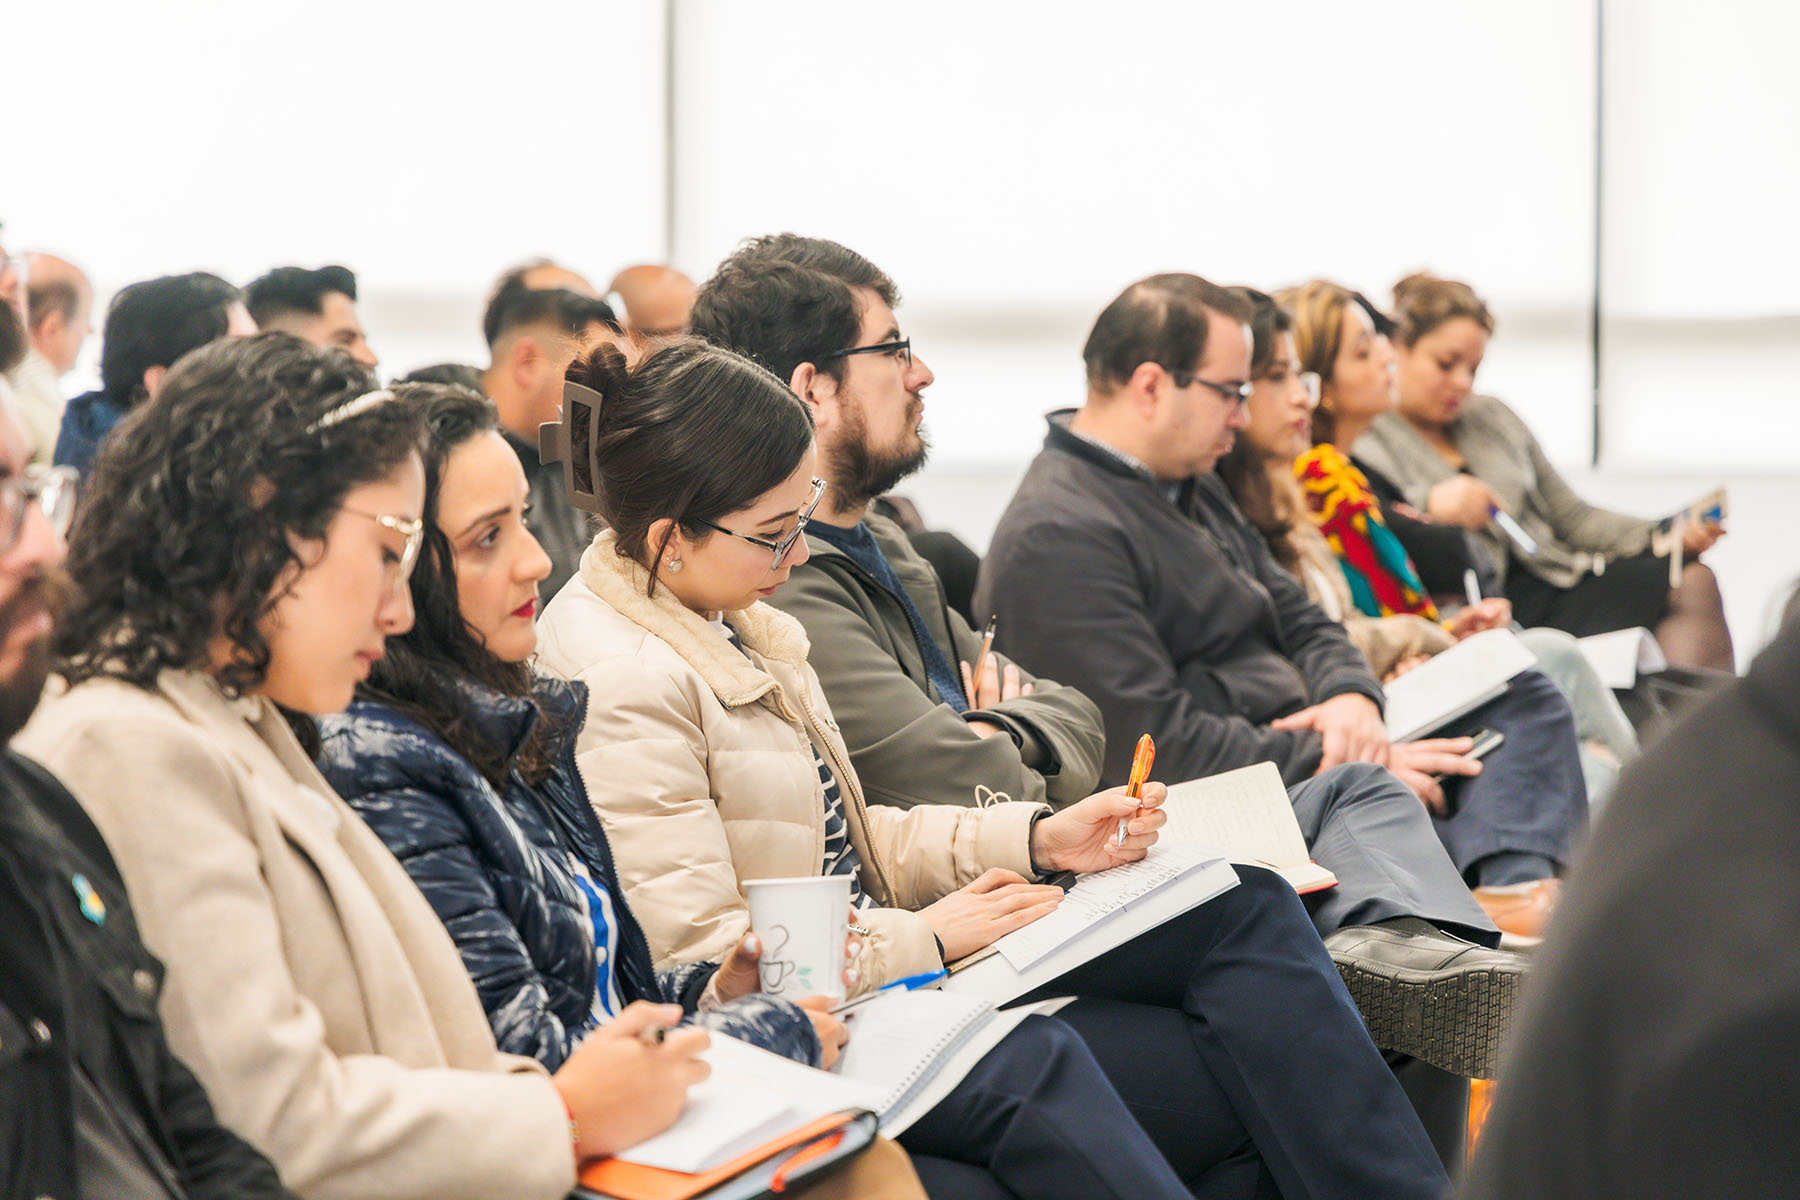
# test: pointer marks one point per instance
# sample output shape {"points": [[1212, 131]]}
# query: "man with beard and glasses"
{"points": [[894, 661], [892, 654], [92, 1102]]}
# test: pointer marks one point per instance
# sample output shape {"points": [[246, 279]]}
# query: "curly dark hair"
{"points": [[691, 432], [424, 669], [186, 527]]}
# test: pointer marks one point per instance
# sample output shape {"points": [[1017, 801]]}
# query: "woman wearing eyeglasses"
{"points": [[711, 755], [242, 558]]}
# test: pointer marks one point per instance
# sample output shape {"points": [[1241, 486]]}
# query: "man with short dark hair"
{"points": [[533, 335], [148, 327], [893, 660], [92, 1102], [59, 305], [317, 306]]}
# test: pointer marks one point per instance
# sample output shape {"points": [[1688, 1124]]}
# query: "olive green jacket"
{"points": [[908, 746]]}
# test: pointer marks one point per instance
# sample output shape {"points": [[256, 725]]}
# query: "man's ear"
{"points": [[50, 325], [813, 386], [1143, 388], [153, 377], [524, 358]]}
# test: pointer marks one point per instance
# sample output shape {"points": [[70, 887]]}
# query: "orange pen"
{"points": [[1141, 760]]}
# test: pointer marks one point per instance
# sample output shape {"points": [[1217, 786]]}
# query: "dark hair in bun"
{"points": [[692, 433]]}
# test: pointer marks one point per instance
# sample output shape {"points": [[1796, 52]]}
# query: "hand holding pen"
{"points": [[1141, 761]]}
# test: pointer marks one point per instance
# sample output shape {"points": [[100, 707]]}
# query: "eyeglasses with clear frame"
{"points": [[52, 489], [410, 528], [778, 547], [1232, 393], [901, 350]]}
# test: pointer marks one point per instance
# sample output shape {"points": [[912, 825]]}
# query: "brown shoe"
{"points": [[1522, 909]]}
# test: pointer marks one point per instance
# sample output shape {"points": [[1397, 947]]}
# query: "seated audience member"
{"points": [[241, 560], [533, 335], [1172, 615], [888, 653], [463, 761], [59, 313], [92, 1100], [1338, 337], [1505, 807], [1458, 457], [148, 327], [317, 306], [1656, 1055], [712, 757], [656, 301]]}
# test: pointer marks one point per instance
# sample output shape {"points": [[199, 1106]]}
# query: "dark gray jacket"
{"points": [[908, 747], [1167, 612]]}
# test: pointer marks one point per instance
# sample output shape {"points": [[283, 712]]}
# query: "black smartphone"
{"points": [[1486, 742]]}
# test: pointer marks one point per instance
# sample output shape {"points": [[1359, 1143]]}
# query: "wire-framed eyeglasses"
{"points": [[778, 547], [51, 489], [410, 528]]}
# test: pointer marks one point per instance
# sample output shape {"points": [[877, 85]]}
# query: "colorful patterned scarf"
{"points": [[1381, 576]]}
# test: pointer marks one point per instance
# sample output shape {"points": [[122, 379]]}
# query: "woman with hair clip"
{"points": [[463, 759], [242, 557], [1509, 822], [1460, 459], [711, 756]]}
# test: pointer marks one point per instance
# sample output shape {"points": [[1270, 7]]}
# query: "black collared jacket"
{"points": [[1166, 610], [65, 924]]}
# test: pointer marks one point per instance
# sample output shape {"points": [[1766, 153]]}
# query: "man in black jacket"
{"points": [[92, 1102]]}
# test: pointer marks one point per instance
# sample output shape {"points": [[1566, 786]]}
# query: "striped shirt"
{"points": [[841, 857]]}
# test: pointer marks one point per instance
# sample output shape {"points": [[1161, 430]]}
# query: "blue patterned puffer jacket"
{"points": [[495, 870]]}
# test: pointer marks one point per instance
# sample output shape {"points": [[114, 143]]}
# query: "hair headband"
{"points": [[353, 408]]}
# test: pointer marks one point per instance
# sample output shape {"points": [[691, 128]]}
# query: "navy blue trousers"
{"points": [[1243, 1066]]}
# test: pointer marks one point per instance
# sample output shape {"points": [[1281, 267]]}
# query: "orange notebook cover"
{"points": [[633, 1181]]}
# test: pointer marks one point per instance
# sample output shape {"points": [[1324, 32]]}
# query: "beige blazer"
{"points": [[698, 759], [310, 986]]}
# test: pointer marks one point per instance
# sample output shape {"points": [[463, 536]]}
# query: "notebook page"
{"points": [[1096, 897], [1245, 813], [751, 1097], [1465, 676]]}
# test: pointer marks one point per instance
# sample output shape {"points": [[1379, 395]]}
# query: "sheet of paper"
{"points": [[1621, 656], [996, 979], [1246, 813], [1096, 897], [1462, 678], [751, 1097]]}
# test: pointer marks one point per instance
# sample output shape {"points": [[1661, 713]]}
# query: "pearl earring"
{"points": [[674, 566]]}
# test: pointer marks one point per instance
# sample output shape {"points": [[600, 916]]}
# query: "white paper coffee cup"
{"points": [[801, 925]]}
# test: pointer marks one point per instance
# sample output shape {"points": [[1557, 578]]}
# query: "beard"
{"points": [[47, 591], [859, 472]]}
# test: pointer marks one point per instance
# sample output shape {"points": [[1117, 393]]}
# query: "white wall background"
{"points": [[1012, 166]]}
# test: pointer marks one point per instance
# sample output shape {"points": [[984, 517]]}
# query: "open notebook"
{"points": [[1458, 681], [907, 1051], [1103, 910], [1247, 814]]}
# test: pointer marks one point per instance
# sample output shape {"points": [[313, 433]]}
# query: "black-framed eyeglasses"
{"points": [[901, 350], [780, 546], [1232, 393], [52, 489], [410, 528]]}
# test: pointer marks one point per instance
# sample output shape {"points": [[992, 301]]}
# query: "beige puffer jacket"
{"points": [[696, 758]]}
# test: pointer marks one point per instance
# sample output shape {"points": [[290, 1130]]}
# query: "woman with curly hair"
{"points": [[242, 558]]}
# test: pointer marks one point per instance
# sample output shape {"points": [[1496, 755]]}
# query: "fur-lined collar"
{"points": [[621, 582]]}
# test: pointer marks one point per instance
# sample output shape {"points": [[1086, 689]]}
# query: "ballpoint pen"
{"points": [[1141, 758], [987, 644], [911, 983]]}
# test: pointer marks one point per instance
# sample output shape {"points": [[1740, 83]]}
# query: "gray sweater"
{"points": [[1573, 536]]}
